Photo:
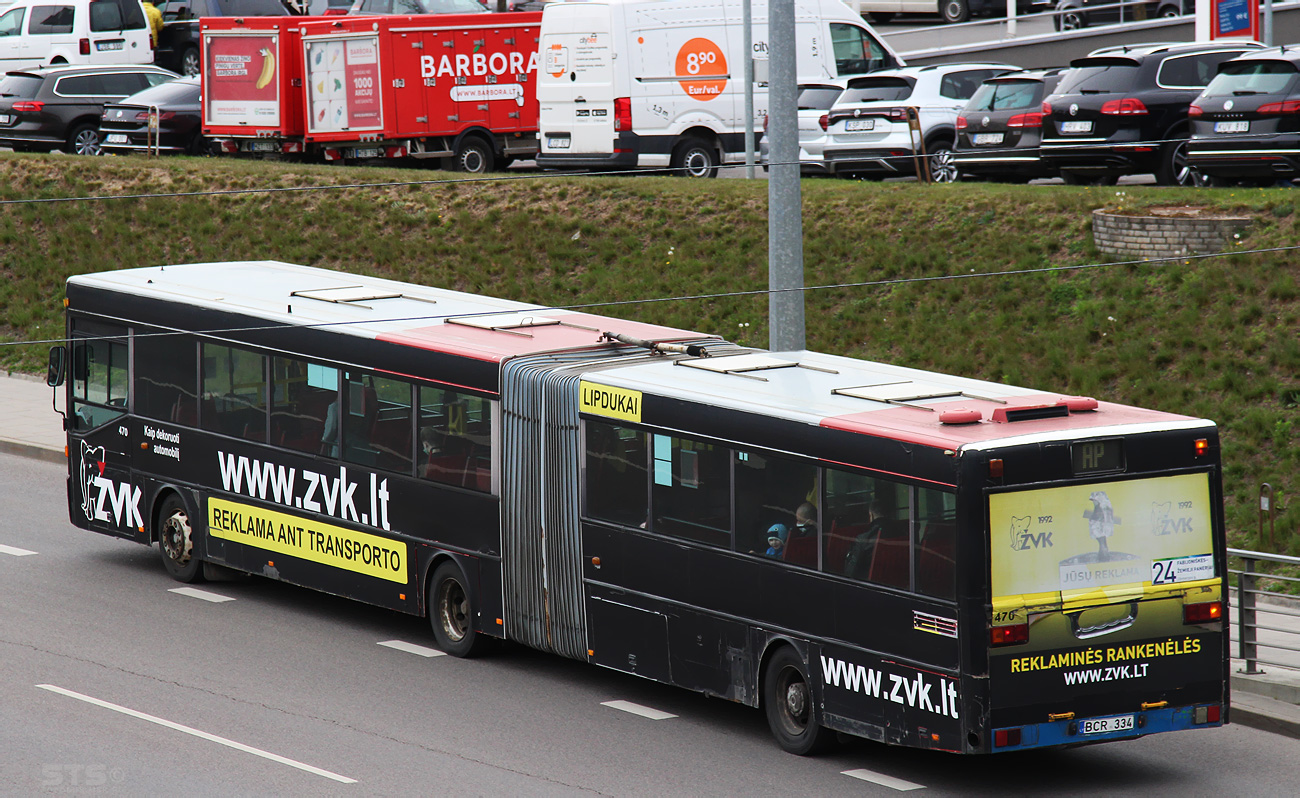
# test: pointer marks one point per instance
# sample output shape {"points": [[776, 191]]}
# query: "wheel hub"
{"points": [[796, 699], [177, 539]]}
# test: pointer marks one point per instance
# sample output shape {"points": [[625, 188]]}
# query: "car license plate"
{"points": [[115, 138], [108, 46], [4, 119], [988, 138], [1076, 127], [859, 125], [263, 146], [1231, 127], [365, 152], [1103, 725], [558, 143]]}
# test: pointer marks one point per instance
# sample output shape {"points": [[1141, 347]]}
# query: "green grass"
{"points": [[1218, 338]]}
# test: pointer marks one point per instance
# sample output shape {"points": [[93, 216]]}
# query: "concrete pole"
{"points": [[747, 45], [785, 308]]}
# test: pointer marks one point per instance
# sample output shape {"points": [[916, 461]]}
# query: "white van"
{"points": [[657, 83], [46, 32]]}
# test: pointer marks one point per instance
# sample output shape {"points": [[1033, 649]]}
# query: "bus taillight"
{"points": [[1204, 612], [1012, 635], [1206, 714], [1202, 446], [1003, 738]]}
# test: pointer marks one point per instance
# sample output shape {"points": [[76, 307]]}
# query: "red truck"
{"points": [[456, 87]]}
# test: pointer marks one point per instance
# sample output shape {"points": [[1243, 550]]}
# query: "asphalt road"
{"points": [[111, 683]]}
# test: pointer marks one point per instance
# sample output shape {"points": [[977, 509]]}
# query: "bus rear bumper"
{"points": [[1071, 732]]}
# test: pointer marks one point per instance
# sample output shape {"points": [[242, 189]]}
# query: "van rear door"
{"points": [[575, 85]]}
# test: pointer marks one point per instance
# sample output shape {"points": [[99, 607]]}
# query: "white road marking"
{"points": [[248, 749], [411, 648], [15, 551], [637, 709], [883, 780], [194, 592]]}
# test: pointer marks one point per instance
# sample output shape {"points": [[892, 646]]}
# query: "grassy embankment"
{"points": [[1218, 338]]}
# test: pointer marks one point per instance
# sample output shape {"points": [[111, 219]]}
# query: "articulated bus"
{"points": [[855, 547]]}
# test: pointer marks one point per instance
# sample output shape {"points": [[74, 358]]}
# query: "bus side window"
{"points": [[691, 490], [768, 491], [99, 374], [616, 480], [455, 439], [936, 544], [234, 392], [166, 376]]}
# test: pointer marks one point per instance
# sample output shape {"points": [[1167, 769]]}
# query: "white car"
{"points": [[868, 132], [815, 100]]}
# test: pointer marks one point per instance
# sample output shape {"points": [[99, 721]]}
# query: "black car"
{"points": [[1123, 111], [1075, 14], [1000, 129], [178, 42], [124, 126], [52, 108]]}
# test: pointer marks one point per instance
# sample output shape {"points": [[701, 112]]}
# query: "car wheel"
{"points": [[199, 145], [1174, 169], [880, 17], [83, 140], [473, 156], [954, 10], [788, 703], [176, 539], [943, 168], [694, 158], [1169, 12], [190, 62], [1070, 19]]}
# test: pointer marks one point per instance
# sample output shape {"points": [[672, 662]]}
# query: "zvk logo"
{"points": [[122, 500], [1162, 524], [1024, 540]]}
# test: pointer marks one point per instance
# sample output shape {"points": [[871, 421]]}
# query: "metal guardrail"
{"points": [[1248, 626]]}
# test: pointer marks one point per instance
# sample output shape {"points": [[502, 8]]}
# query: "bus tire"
{"points": [[788, 702], [451, 612], [176, 541]]}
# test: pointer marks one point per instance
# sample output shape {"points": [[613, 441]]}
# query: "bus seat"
{"points": [[935, 562], [890, 556], [801, 550], [841, 541], [185, 411]]}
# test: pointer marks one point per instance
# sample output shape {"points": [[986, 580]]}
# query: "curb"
{"points": [[33, 452], [1265, 714]]}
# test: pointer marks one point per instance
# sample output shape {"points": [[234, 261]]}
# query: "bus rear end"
{"points": [[1108, 600]]}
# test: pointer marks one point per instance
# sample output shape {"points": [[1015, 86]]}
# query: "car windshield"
{"points": [[19, 85], [183, 91], [1099, 78], [1252, 77], [1007, 95], [818, 98], [871, 89]]}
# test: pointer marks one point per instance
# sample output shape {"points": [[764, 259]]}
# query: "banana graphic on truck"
{"points": [[268, 68]]}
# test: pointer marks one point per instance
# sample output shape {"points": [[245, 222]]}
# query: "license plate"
{"points": [[988, 138], [859, 125], [263, 146], [365, 152], [115, 138], [558, 144], [4, 119], [1103, 725], [1076, 127], [108, 46], [1231, 127]]}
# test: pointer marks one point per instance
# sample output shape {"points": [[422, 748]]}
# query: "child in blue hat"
{"points": [[776, 535]]}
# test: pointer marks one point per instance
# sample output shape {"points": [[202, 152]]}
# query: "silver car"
{"points": [[815, 100]]}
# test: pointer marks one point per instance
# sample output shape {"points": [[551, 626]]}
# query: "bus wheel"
{"points": [[176, 542], [788, 702], [451, 614]]}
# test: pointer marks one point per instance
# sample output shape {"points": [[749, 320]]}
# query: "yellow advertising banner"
{"points": [[1102, 541], [619, 403], [310, 540]]}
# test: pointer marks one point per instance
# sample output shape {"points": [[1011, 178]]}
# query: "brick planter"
{"points": [[1164, 232]]}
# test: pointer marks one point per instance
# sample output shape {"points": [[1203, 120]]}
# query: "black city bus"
{"points": [[910, 557]]}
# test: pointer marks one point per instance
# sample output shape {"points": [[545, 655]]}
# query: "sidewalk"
{"points": [[30, 427]]}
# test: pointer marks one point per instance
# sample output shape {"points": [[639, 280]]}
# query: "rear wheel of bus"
{"points": [[788, 702], [695, 158], [451, 612], [176, 541]]}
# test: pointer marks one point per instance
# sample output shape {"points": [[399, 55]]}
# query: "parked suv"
{"points": [[1246, 124], [51, 108], [1000, 129], [814, 102], [178, 42], [868, 133], [1123, 111]]}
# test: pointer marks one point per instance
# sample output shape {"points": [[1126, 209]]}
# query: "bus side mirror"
{"points": [[55, 374]]}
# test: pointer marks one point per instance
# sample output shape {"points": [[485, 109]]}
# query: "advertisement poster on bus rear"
{"points": [[240, 81], [343, 85]]}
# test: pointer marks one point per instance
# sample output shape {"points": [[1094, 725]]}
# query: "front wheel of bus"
{"points": [[451, 613], [176, 542], [788, 701]]}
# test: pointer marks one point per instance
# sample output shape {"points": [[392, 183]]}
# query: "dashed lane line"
{"points": [[15, 551], [883, 780], [206, 595], [637, 709], [411, 648], [248, 749]]}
